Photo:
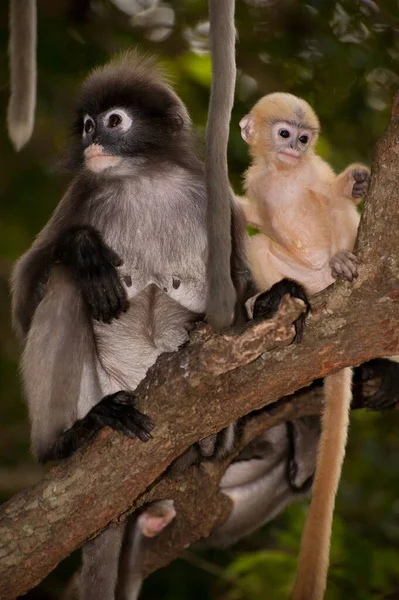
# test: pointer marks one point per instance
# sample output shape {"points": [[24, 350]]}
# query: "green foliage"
{"points": [[343, 58]]}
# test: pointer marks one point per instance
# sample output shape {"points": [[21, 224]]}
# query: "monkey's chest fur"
{"points": [[158, 227]]}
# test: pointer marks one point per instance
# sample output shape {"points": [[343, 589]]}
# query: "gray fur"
{"points": [[70, 363], [257, 484], [221, 300], [22, 52], [100, 564], [152, 213]]}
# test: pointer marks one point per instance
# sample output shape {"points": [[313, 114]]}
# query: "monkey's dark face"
{"points": [[121, 128], [291, 141], [104, 138]]}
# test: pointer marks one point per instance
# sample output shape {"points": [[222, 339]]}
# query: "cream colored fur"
{"points": [[305, 215]]}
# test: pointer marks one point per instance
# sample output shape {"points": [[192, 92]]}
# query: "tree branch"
{"points": [[201, 389]]}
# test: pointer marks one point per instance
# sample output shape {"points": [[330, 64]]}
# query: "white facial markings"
{"points": [[290, 141], [118, 119], [88, 125], [97, 160]]}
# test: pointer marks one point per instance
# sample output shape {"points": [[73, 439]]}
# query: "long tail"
{"points": [[22, 51], [221, 293], [313, 559]]}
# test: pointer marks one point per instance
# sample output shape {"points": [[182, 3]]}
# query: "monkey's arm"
{"points": [[350, 184], [29, 281], [92, 264], [250, 211], [353, 182], [31, 272]]}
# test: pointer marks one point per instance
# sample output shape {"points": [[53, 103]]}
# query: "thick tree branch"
{"points": [[201, 389]]}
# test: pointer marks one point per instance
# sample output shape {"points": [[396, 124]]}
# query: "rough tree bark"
{"points": [[203, 387]]}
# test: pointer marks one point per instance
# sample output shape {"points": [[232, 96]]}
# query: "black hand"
{"points": [[118, 411], [387, 395], [93, 265], [360, 187], [266, 304]]}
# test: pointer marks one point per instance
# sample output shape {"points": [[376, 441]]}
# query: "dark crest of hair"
{"points": [[135, 80]]}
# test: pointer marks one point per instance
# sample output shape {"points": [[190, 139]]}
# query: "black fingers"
{"points": [[118, 411], [360, 175], [344, 264], [266, 304], [93, 265], [360, 187], [207, 445], [387, 395], [103, 292]]}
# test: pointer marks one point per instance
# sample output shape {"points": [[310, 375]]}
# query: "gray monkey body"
{"points": [[168, 285], [151, 209]]}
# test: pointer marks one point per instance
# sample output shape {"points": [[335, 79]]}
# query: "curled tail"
{"points": [[221, 294], [22, 51], [315, 544]]}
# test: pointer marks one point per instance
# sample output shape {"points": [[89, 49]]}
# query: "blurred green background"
{"points": [[343, 57]]}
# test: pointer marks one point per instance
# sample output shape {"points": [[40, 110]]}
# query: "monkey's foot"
{"points": [[207, 445], [387, 395], [294, 475], [267, 303], [93, 265], [344, 264], [360, 187], [156, 517], [118, 411]]}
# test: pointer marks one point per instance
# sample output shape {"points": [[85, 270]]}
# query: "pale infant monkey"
{"points": [[305, 213], [307, 222]]}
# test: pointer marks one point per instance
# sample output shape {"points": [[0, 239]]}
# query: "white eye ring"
{"points": [[125, 121], [87, 121]]}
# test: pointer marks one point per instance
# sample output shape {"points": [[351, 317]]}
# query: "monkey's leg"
{"points": [[115, 410], [100, 564], [259, 256], [61, 370], [219, 444], [139, 532], [271, 262]]}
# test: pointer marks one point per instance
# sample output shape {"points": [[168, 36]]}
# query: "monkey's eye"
{"points": [[304, 139], [118, 119], [88, 125], [284, 133], [114, 120]]}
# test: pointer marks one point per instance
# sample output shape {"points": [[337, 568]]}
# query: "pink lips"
{"points": [[95, 151], [290, 152]]}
